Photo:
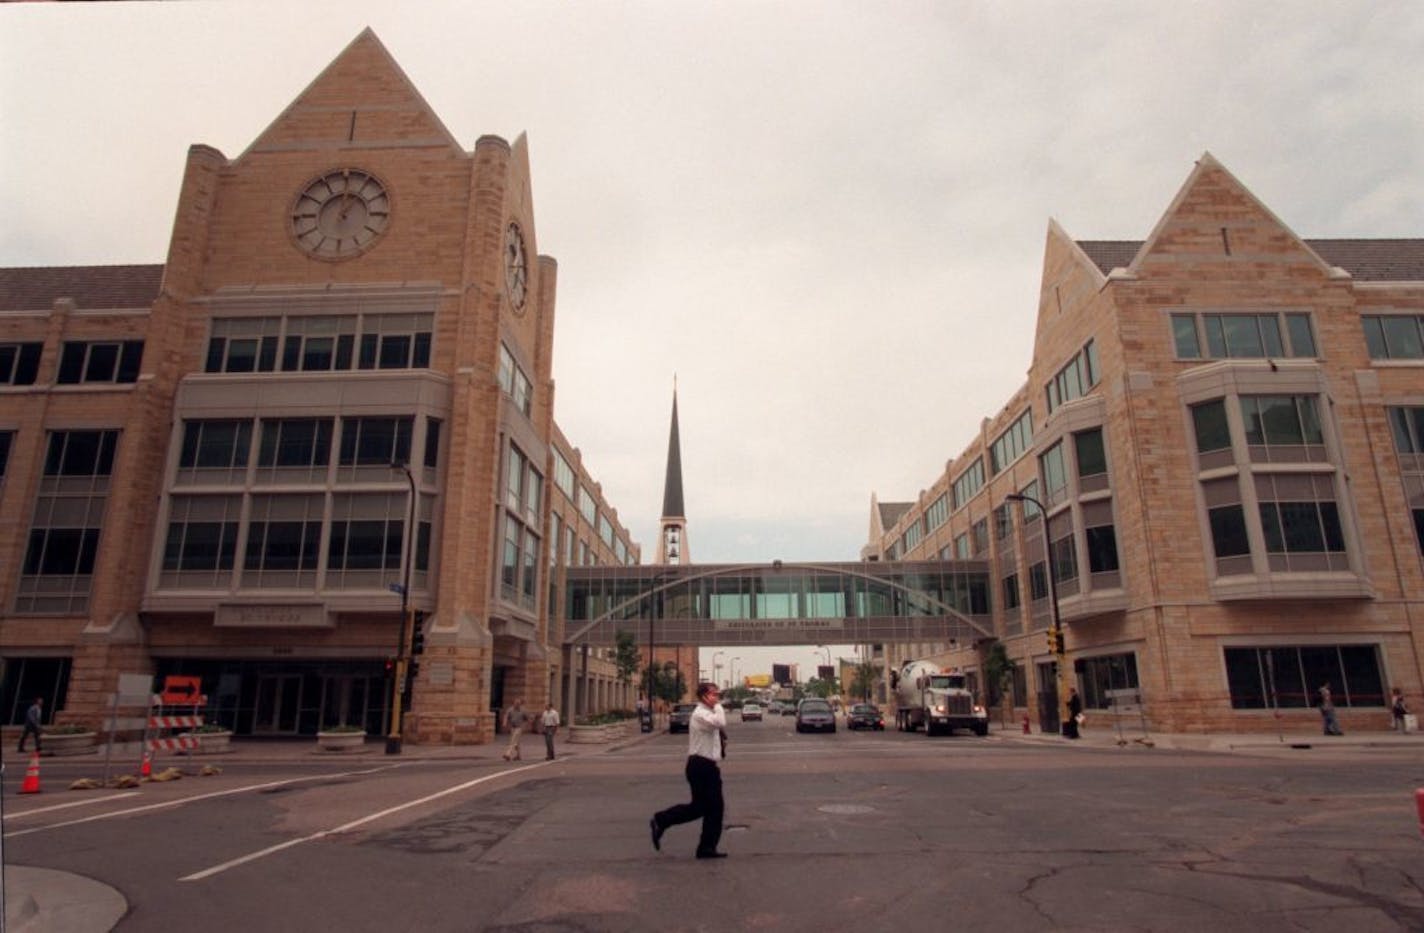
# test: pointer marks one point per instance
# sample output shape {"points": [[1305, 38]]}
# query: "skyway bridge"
{"points": [[780, 603]]}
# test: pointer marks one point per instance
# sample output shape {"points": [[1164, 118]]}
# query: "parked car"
{"points": [[865, 716], [775, 708], [681, 717], [815, 716], [751, 711]]}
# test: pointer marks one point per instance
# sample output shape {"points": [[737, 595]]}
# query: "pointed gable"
{"points": [[1215, 221], [361, 99]]}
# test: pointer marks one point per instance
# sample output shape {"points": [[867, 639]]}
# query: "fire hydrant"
{"points": [[1025, 724]]}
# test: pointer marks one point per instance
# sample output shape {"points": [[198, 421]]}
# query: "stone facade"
{"points": [[394, 328], [1166, 613]]}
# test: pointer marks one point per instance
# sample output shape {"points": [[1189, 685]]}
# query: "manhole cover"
{"points": [[847, 809]]}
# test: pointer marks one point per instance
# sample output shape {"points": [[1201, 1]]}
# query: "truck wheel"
{"points": [[981, 729]]}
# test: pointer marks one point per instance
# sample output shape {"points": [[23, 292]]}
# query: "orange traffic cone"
{"points": [[32, 776], [146, 769]]}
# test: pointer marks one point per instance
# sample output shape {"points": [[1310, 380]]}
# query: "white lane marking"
{"points": [[167, 804], [66, 806], [345, 827]]}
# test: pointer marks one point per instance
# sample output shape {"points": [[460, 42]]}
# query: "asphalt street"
{"points": [[847, 831]]}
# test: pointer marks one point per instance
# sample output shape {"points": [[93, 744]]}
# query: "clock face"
{"points": [[516, 267], [340, 214]]}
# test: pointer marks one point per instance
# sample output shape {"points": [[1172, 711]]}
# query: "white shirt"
{"points": [[704, 731], [551, 719]]}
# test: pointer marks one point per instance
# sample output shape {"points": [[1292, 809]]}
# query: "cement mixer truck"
{"points": [[939, 700]]}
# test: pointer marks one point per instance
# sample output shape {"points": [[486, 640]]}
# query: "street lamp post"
{"points": [[393, 737], [732, 671], [716, 665], [1059, 655]]}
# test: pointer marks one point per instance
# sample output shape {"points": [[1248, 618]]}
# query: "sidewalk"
{"points": [[1106, 736]]}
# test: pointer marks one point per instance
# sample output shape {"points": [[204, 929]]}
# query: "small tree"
{"points": [[817, 687], [626, 656], [665, 683], [999, 670], [863, 681]]}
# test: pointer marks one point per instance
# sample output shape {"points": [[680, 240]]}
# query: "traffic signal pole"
{"points": [[1055, 633], [393, 737]]}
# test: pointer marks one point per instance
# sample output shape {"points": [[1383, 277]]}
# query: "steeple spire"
{"points": [[672, 543]]}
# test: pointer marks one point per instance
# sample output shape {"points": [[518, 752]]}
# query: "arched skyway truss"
{"points": [[862, 602]]}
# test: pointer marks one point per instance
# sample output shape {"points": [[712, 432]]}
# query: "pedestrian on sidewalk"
{"points": [[515, 720], [33, 715], [706, 733], [1397, 709], [1075, 714], [550, 723], [1327, 712]]}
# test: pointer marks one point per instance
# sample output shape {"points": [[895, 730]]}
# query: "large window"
{"points": [[968, 483], [320, 343], [513, 382], [1300, 522], [1243, 335], [937, 513], [1394, 336], [1013, 443], [215, 446], [1212, 431], [283, 541], [1075, 379], [367, 534], [5, 438], [1407, 425], [1101, 538], [1092, 458], [1100, 676], [99, 361], [64, 531], [19, 363], [563, 476], [1055, 474], [1290, 676], [202, 540], [300, 444], [1280, 420], [375, 441]]}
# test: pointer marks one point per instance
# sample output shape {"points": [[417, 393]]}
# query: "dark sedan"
{"points": [[865, 716], [815, 716], [681, 717]]}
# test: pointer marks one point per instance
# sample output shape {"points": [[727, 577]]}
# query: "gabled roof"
{"points": [[363, 91], [1396, 260], [91, 287]]}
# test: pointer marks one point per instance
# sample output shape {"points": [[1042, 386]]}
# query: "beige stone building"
{"points": [[333, 400], [1225, 423]]}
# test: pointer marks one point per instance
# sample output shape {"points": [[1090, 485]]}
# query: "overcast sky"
{"points": [[826, 218]]}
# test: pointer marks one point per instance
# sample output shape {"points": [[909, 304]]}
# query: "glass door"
{"points": [[278, 699]]}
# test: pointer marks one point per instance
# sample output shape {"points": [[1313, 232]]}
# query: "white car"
{"points": [[751, 711]]}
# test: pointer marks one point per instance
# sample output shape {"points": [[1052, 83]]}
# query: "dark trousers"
{"points": [[30, 731], [705, 779], [549, 743]]}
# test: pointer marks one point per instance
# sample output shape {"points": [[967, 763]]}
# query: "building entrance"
{"points": [[279, 698]]}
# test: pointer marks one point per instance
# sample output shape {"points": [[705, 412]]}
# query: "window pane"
{"points": [[1302, 342], [1245, 679], [1401, 335], [1184, 336], [1212, 431], [1271, 335], [1228, 531], [1102, 549], [1092, 461], [1374, 338], [1242, 337]]}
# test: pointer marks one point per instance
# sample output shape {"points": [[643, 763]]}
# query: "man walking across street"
{"points": [[514, 721], [33, 715], [550, 723], [705, 733]]}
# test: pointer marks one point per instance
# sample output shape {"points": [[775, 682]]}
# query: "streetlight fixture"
{"points": [[716, 666], [732, 671], [393, 737], [1060, 661]]}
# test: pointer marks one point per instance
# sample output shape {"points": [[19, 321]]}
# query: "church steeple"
{"points": [[672, 543]]}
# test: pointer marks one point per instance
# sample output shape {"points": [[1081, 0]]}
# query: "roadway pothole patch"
{"points": [[845, 809]]}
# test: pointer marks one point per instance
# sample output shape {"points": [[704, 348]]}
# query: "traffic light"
{"points": [[417, 634], [1055, 641]]}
